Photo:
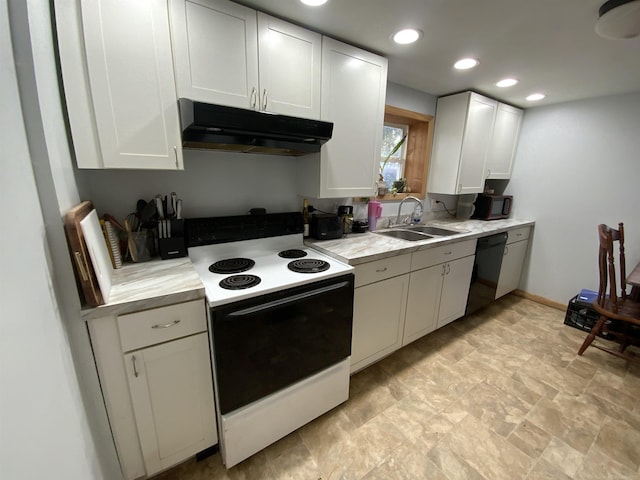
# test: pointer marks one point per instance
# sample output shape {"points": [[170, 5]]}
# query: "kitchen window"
{"points": [[416, 150], [392, 169]]}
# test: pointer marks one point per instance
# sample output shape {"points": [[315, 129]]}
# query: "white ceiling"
{"points": [[549, 45]]}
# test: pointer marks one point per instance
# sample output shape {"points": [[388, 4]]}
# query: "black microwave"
{"points": [[492, 207]]}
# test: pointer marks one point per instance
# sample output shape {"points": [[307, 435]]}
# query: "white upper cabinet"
{"points": [[215, 52], [504, 140], [353, 96], [228, 54], [289, 62], [464, 125], [119, 86]]}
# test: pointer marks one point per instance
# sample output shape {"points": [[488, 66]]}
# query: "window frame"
{"points": [[417, 149]]}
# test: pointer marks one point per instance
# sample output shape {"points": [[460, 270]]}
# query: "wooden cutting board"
{"points": [[86, 278], [98, 252]]}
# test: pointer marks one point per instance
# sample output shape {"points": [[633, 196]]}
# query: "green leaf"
{"points": [[393, 150]]}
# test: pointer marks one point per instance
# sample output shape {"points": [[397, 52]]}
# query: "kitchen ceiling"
{"points": [[549, 45]]}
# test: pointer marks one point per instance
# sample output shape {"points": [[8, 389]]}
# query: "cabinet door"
{"points": [[455, 290], [477, 135], [289, 66], [378, 316], [464, 123], [353, 95], [504, 140], [215, 52], [132, 87], [511, 269], [423, 302], [172, 395]]}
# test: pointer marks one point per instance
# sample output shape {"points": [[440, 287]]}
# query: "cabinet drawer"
{"points": [[445, 253], [158, 325], [518, 234], [381, 269]]}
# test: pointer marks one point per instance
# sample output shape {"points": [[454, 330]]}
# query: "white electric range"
{"points": [[280, 326]]}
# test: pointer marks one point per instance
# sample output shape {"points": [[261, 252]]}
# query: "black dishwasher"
{"points": [[486, 271]]}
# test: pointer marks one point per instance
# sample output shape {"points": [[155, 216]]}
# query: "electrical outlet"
{"points": [[434, 203]]}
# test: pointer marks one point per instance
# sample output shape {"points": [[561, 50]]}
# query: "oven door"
{"points": [[264, 344]]}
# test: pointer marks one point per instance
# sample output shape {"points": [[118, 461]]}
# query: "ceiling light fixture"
{"points": [[506, 82], [314, 3], [534, 97], [408, 35], [465, 64], [619, 19]]}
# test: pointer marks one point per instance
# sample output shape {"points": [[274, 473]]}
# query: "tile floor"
{"points": [[497, 395]]}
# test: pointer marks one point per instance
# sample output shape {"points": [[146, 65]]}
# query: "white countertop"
{"points": [[357, 248], [140, 286]]}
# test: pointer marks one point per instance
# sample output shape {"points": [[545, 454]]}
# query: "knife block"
{"points": [[174, 246]]}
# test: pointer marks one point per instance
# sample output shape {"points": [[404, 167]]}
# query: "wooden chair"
{"points": [[619, 314]]}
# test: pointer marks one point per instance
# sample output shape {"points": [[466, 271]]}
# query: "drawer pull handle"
{"points": [[135, 370], [448, 253], [175, 322], [380, 270]]}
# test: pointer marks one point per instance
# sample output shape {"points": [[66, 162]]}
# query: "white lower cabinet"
{"points": [[172, 395], [438, 288], [455, 290], [377, 320], [155, 372], [399, 299], [513, 261], [378, 309], [425, 288]]}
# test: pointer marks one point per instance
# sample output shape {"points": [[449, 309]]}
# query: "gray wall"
{"points": [[48, 419], [577, 165]]}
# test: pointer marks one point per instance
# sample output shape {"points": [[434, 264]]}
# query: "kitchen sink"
{"points": [[415, 233], [404, 234], [436, 231]]}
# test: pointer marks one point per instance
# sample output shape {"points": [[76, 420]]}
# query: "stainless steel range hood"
{"points": [[217, 127]]}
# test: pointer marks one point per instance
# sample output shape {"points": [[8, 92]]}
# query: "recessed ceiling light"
{"points": [[506, 82], [314, 3], [408, 35], [534, 97], [465, 63]]}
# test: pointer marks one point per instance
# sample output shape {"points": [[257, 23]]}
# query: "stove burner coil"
{"points": [[293, 253], [239, 282], [308, 265], [232, 265]]}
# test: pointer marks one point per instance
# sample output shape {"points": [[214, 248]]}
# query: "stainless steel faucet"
{"points": [[417, 200]]}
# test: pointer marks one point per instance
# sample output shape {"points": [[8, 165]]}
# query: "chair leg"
{"points": [[592, 335]]}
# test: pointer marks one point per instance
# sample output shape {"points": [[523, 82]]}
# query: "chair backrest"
{"points": [[607, 267]]}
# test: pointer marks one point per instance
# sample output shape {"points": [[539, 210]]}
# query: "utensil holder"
{"points": [[141, 245]]}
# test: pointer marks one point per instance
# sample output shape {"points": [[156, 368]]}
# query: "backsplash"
{"points": [[212, 184]]}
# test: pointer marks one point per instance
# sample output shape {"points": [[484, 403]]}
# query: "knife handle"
{"points": [[158, 200]]}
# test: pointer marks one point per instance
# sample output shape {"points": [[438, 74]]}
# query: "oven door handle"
{"points": [[288, 300]]}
